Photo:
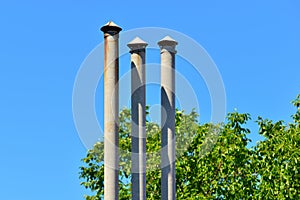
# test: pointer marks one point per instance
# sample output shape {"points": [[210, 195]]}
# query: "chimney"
{"points": [[138, 118], [111, 110], [168, 182]]}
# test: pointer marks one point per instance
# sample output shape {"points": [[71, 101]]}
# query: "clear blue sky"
{"points": [[255, 44]]}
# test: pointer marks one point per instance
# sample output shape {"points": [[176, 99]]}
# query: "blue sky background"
{"points": [[255, 44]]}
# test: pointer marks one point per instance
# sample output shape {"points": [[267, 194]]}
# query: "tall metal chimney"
{"points": [[111, 110], [138, 116], [168, 180]]}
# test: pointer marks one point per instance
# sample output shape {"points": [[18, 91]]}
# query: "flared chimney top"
{"points": [[111, 26], [167, 41], [168, 44], [137, 43]]}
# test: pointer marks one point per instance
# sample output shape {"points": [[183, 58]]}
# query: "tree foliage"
{"points": [[213, 160]]}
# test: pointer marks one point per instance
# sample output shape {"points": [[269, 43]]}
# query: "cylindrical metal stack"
{"points": [[168, 179], [111, 110], [138, 116]]}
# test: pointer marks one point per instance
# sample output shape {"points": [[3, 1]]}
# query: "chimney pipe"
{"points": [[168, 180], [111, 110], [138, 118]]}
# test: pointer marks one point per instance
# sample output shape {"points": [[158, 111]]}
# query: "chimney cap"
{"points": [[137, 43], [167, 41], [111, 26]]}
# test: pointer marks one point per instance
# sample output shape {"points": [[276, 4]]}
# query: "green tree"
{"points": [[218, 164], [213, 161], [277, 158]]}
